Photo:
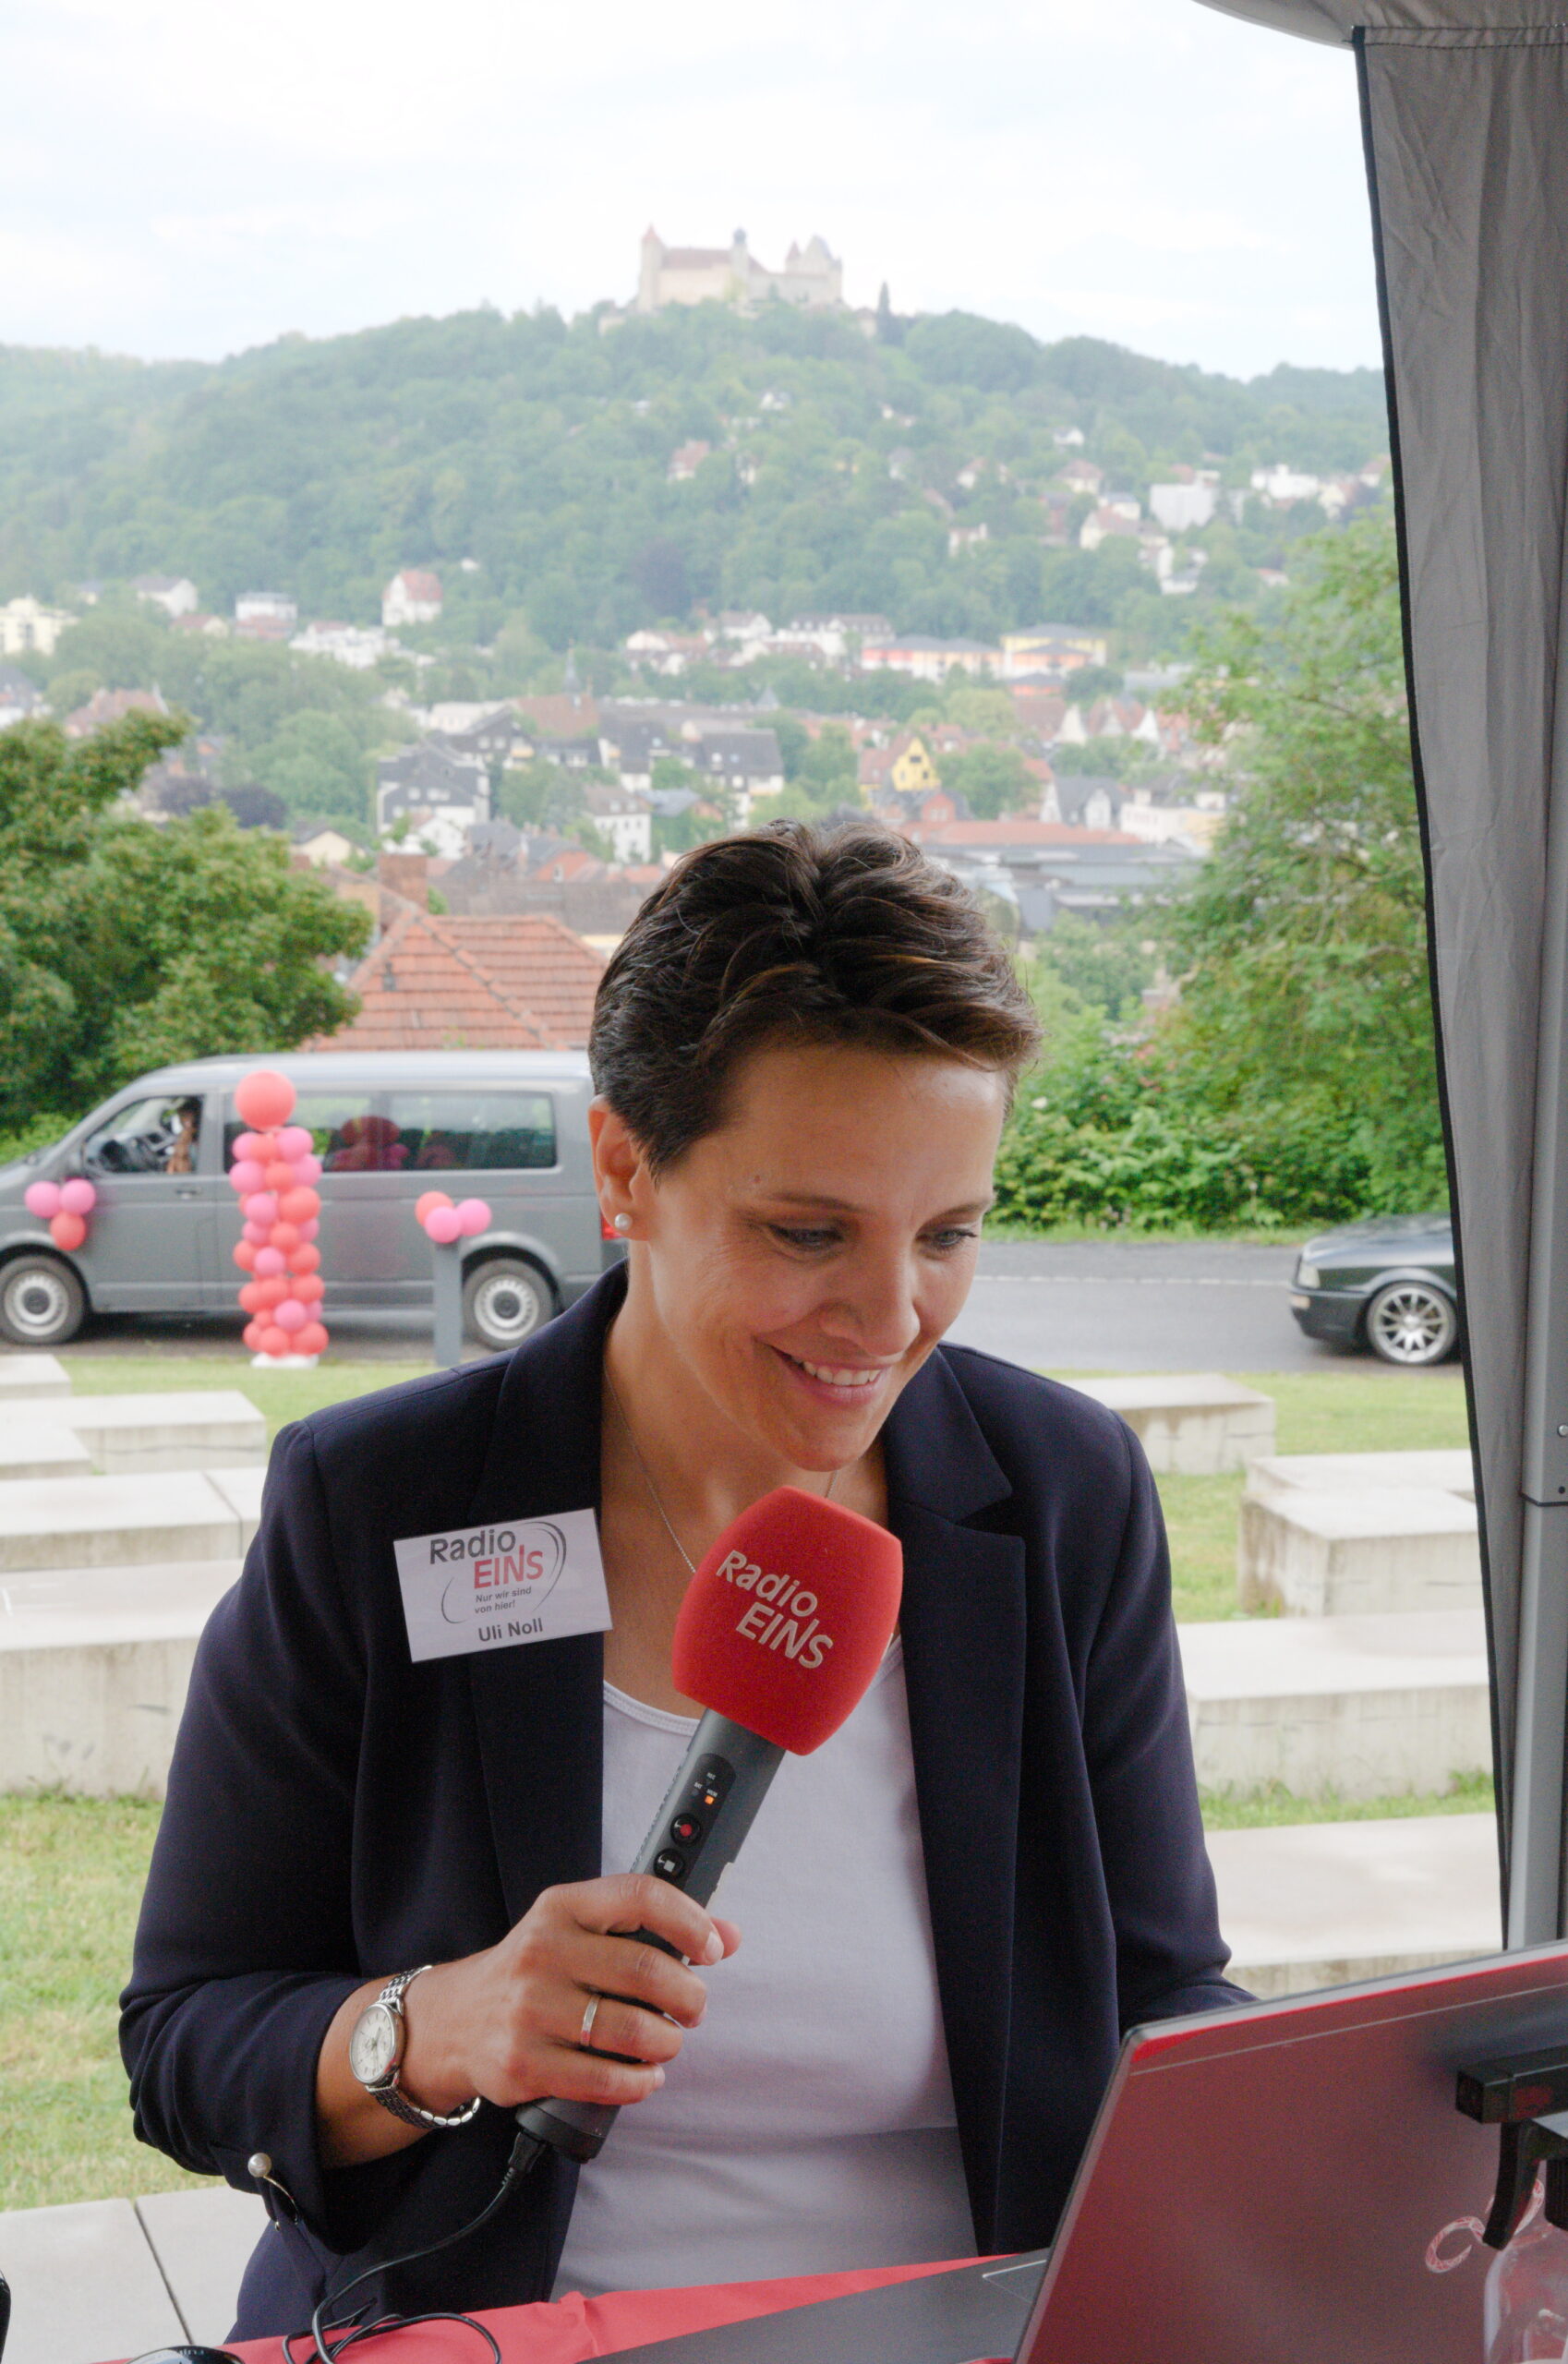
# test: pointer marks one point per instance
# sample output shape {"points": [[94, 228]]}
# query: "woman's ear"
{"points": [[621, 1177]]}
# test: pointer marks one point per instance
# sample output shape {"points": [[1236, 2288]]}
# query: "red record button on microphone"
{"points": [[686, 1828]]}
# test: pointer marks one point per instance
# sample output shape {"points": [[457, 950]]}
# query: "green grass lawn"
{"points": [[71, 1876], [1339, 1410], [72, 1870], [282, 1396]]}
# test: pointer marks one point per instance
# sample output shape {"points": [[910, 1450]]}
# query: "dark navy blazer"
{"points": [[336, 1812]]}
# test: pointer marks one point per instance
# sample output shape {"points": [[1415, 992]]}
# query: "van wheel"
{"points": [[41, 1302], [505, 1301]]}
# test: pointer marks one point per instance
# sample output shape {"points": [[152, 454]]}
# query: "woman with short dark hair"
{"points": [[804, 1051]]}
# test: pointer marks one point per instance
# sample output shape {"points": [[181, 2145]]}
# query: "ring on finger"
{"points": [[586, 2033]]}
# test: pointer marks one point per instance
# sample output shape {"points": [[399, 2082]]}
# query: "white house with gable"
{"points": [[413, 596], [26, 625], [624, 818], [175, 593]]}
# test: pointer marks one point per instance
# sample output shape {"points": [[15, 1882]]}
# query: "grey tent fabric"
{"points": [[1338, 20], [1466, 106]]}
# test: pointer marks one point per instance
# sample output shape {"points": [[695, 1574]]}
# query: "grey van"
{"points": [[507, 1127]]}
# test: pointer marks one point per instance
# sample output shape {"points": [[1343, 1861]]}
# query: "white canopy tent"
{"points": [[1464, 111]]}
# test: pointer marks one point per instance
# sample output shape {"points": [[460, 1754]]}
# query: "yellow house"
{"points": [[913, 768], [1051, 648]]}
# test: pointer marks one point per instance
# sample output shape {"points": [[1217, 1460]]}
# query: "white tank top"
{"points": [[807, 2125]]}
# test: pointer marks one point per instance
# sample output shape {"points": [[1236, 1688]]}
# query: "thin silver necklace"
{"points": [[647, 1473]]}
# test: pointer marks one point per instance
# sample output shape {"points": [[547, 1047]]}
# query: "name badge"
{"points": [[491, 1587]]}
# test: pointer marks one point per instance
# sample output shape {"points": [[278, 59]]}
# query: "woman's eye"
{"points": [[793, 1237], [945, 1242]]}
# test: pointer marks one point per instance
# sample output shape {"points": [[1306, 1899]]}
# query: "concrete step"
{"points": [[1328, 1903], [30, 1448], [1373, 1551], [202, 2241], [94, 1666], [1194, 1423], [241, 1489], [146, 1519], [84, 2284], [1449, 1472], [114, 2277], [191, 1429], [27, 1377], [1369, 1707]]}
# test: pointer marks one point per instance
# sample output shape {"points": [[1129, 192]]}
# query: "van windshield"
{"points": [[149, 1137], [425, 1132]]}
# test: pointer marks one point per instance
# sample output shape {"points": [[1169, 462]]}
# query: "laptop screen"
{"points": [[1290, 2183]]}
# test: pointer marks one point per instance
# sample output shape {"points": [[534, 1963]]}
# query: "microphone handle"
{"points": [[711, 1806]]}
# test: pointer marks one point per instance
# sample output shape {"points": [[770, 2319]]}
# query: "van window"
{"points": [[149, 1137], [347, 1135], [474, 1131], [425, 1132]]}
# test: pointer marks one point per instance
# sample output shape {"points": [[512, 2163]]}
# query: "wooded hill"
{"points": [[541, 450]]}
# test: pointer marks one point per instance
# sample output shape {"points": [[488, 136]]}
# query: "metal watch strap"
{"points": [[399, 2103]]}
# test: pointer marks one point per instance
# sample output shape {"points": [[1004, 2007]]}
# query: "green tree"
{"points": [[994, 779], [1305, 1005], [829, 769], [714, 816], [123, 946], [982, 711], [1102, 962], [316, 762], [542, 795], [1121, 758]]}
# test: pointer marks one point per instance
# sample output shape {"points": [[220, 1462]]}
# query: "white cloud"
{"points": [[208, 177]]}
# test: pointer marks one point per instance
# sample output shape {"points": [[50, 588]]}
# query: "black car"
{"points": [[1386, 1282]]}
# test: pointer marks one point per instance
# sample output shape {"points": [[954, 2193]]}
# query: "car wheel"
{"points": [[41, 1302], [1412, 1324], [504, 1301]]}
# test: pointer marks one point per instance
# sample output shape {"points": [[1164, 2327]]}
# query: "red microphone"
{"points": [[782, 1628]]}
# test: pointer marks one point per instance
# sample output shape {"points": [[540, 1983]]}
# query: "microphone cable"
{"points": [[325, 2348]]}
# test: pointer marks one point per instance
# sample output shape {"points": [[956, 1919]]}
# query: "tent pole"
{"points": [[1534, 1882], [1536, 1899]]}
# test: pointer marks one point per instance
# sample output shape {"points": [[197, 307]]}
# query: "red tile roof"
{"points": [[520, 982], [561, 714]]}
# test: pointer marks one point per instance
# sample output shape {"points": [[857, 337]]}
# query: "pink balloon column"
{"points": [[275, 1171], [64, 1207]]}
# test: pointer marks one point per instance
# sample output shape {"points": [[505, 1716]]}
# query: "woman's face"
{"points": [[802, 1261]]}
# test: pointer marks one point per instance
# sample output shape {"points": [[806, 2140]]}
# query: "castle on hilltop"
{"points": [[732, 274]]}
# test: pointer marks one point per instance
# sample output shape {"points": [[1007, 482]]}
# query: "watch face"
{"points": [[372, 2048]]}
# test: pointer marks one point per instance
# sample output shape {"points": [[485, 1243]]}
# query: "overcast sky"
{"points": [[180, 177]]}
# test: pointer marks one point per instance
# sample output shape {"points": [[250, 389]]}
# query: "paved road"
{"points": [[1095, 1306], [1138, 1306]]}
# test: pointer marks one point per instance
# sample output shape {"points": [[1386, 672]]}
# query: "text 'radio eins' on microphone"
{"points": [[779, 1636]]}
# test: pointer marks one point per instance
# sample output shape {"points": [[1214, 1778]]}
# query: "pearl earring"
{"points": [[622, 1223]]}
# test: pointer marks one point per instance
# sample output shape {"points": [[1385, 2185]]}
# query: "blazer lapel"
{"points": [[963, 1622], [538, 1707]]}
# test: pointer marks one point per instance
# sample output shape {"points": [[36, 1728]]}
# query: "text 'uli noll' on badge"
{"points": [[492, 1588]]}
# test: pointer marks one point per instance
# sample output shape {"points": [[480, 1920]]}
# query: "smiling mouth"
{"points": [[834, 1375]]}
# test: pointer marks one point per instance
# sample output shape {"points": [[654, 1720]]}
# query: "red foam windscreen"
{"points": [[786, 1621]]}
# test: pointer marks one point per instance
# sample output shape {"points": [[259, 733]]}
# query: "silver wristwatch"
{"points": [[375, 2055]]}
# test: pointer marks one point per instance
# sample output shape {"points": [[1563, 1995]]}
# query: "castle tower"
{"points": [[652, 262]]}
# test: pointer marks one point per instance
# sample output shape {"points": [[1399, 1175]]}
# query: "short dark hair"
{"points": [[795, 934]]}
